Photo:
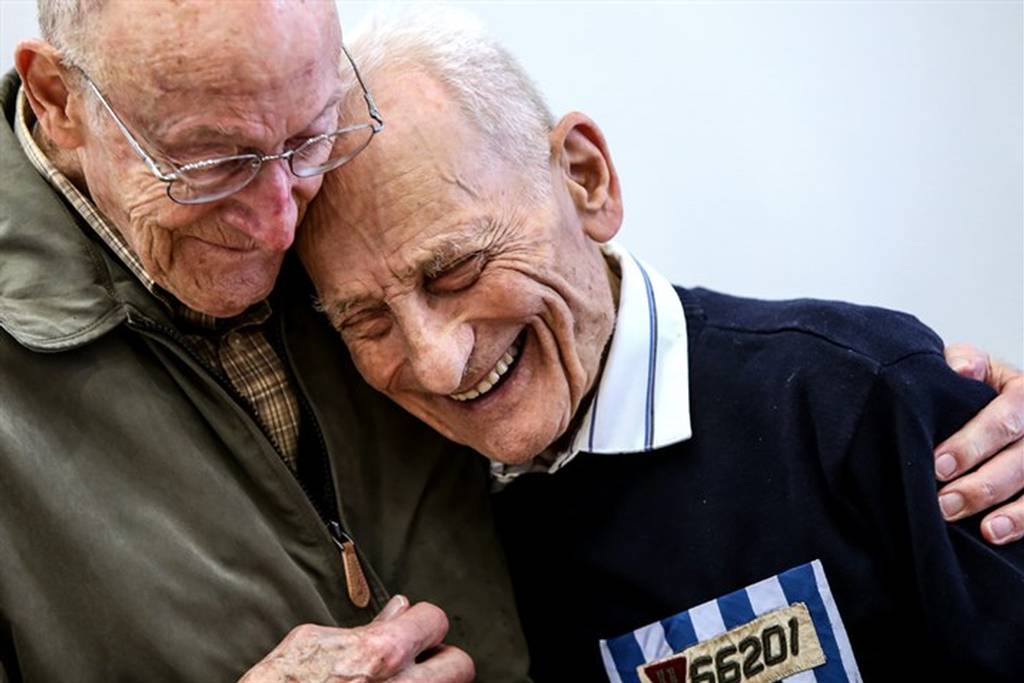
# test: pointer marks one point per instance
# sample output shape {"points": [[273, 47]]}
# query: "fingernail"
{"points": [[395, 606], [945, 466], [951, 504], [1000, 527]]}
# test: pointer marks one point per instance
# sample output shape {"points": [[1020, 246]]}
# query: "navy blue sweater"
{"points": [[813, 429]]}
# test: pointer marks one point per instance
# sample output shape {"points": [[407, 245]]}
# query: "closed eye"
{"points": [[367, 324], [458, 275]]}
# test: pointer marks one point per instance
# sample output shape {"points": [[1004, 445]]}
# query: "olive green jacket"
{"points": [[149, 531]]}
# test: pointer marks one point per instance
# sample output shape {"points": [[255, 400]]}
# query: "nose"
{"points": [[438, 345], [265, 209]]}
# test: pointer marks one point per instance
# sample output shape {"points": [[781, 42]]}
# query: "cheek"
{"points": [[376, 361], [505, 294], [154, 219]]}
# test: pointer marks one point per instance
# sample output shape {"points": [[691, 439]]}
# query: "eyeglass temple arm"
{"points": [[371, 104], [149, 161]]}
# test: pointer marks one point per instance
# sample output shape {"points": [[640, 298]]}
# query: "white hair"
{"points": [[484, 80], [67, 24]]}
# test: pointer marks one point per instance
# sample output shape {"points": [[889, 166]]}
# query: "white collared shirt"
{"points": [[642, 399]]}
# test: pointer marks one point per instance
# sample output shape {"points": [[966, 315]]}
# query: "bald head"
{"points": [[102, 35], [213, 48]]}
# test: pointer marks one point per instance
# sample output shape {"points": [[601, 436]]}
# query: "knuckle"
{"points": [[1012, 425], [985, 493], [382, 653]]}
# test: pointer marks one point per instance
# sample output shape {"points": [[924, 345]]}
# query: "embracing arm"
{"points": [[964, 593], [983, 463]]}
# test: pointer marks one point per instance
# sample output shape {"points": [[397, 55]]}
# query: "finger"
{"points": [[1001, 376], [396, 605], [382, 649], [1000, 423], [400, 639], [994, 482], [968, 360], [448, 665], [1006, 524]]}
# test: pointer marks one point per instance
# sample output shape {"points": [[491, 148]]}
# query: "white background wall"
{"points": [[868, 151]]}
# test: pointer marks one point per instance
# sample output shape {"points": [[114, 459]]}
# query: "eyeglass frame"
{"points": [[257, 158]]}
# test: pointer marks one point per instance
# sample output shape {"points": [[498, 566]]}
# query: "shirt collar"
{"points": [[642, 399], [23, 120]]}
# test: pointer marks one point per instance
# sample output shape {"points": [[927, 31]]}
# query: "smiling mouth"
{"points": [[495, 376]]}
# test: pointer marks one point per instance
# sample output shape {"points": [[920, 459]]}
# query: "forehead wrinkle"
{"points": [[434, 254], [254, 135], [426, 253]]}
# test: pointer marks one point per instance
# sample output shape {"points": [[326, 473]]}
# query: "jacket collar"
{"points": [[59, 289]]}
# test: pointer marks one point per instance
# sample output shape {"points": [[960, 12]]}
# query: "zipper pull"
{"points": [[355, 580]]}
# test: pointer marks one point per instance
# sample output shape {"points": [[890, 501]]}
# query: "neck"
{"points": [[614, 279], [563, 442]]}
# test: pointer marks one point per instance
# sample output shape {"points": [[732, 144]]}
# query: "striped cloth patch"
{"points": [[804, 584]]}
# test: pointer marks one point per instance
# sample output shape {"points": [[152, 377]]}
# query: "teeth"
{"points": [[503, 365]]}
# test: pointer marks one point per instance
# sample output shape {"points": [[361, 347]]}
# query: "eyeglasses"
{"points": [[209, 180]]}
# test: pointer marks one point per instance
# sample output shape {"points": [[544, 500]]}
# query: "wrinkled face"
{"points": [[483, 313], [196, 80]]}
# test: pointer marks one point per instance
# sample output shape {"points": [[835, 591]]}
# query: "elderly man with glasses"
{"points": [[191, 474]]}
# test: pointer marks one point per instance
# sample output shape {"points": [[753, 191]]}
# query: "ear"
{"points": [[47, 85], [578, 148]]}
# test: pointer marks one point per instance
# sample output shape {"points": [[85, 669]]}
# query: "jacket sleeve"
{"points": [[970, 595]]}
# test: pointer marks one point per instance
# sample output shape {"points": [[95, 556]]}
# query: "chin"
{"points": [[514, 451], [228, 296], [224, 304]]}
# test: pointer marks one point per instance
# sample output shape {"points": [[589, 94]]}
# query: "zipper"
{"points": [[355, 580], [307, 409], [358, 588]]}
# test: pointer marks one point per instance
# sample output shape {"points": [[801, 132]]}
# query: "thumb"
{"points": [[395, 606]]}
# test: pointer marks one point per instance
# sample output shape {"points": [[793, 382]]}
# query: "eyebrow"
{"points": [[337, 309], [433, 260]]}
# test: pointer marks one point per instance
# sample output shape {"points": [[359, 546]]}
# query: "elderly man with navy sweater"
{"points": [[696, 486]]}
